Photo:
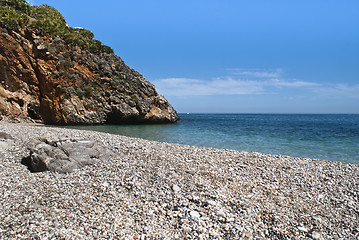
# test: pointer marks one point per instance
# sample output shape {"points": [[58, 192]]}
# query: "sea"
{"points": [[320, 136]]}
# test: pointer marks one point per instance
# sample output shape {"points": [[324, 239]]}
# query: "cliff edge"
{"points": [[55, 74]]}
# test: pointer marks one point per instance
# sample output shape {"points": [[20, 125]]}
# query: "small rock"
{"points": [[230, 219], [176, 188], [316, 235], [4, 135], [187, 229], [303, 229], [211, 202], [220, 213], [195, 214], [4, 146], [320, 196], [214, 233]]}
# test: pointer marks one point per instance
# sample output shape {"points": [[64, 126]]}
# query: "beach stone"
{"points": [[6, 140], [176, 188], [316, 235], [195, 214], [4, 145], [131, 195], [5, 136], [65, 155], [211, 202], [303, 229], [220, 213], [214, 233]]}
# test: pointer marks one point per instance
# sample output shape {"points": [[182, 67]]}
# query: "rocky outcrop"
{"points": [[6, 141], [65, 155], [45, 79]]}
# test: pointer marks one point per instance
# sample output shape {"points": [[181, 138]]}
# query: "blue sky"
{"points": [[234, 56]]}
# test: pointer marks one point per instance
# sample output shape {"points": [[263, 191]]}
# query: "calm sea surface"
{"points": [[324, 136]]}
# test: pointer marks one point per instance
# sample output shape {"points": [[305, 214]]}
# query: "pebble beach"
{"points": [[153, 190]]}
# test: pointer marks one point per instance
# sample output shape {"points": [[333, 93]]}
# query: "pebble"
{"points": [[195, 214], [211, 202], [214, 233], [176, 188], [220, 213], [303, 229], [316, 235], [218, 193]]}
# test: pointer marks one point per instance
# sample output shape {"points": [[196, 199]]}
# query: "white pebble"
{"points": [[303, 229], [195, 214], [316, 235], [211, 202], [221, 213], [176, 188]]}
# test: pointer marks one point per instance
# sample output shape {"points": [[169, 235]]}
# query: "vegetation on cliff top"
{"points": [[18, 14], [56, 74]]}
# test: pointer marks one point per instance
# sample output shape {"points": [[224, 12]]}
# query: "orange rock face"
{"points": [[46, 80]]}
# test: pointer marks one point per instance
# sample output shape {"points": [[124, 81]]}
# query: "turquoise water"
{"points": [[323, 136]]}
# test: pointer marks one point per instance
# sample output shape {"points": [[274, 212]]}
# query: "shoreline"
{"points": [[328, 138], [163, 190]]}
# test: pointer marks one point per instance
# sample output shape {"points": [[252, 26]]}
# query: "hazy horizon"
{"points": [[273, 113]]}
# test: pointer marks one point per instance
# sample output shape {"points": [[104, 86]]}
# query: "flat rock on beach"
{"points": [[152, 190]]}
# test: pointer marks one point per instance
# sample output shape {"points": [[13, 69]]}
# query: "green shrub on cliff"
{"points": [[88, 91], [79, 37], [11, 19], [16, 14], [48, 20], [19, 5], [98, 47]]}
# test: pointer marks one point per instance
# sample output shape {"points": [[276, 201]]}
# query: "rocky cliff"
{"points": [[48, 77]]}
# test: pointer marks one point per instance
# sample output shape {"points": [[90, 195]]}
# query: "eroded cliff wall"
{"points": [[43, 78]]}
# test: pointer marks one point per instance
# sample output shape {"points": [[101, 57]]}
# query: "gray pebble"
{"points": [[152, 190]]}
